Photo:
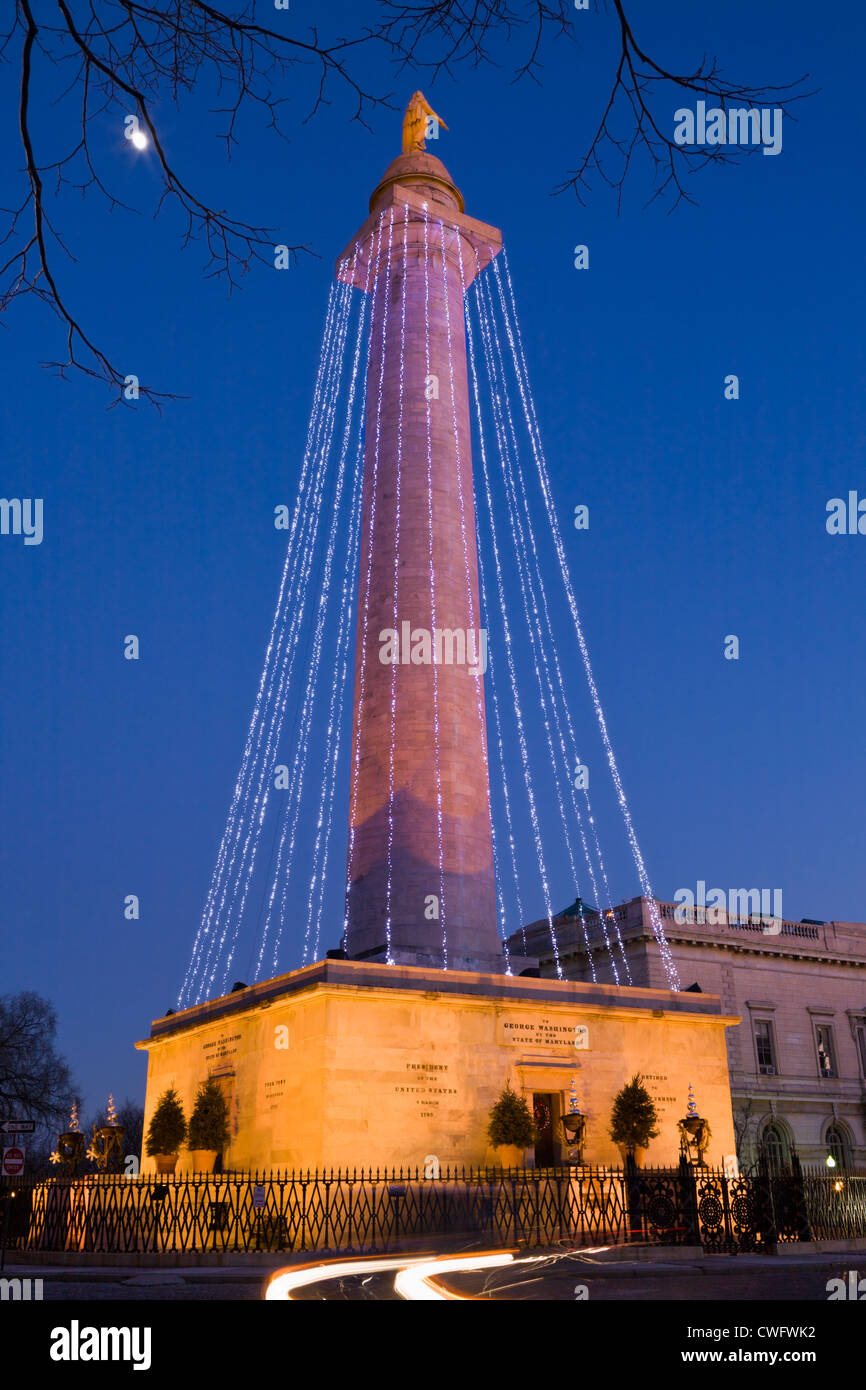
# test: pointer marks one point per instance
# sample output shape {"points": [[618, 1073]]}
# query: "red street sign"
{"points": [[13, 1162]]}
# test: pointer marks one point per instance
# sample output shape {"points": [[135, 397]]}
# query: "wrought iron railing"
{"points": [[364, 1212]]}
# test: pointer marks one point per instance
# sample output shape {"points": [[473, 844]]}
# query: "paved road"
{"points": [[556, 1278]]}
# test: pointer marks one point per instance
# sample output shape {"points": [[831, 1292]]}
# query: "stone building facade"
{"points": [[797, 1059]]}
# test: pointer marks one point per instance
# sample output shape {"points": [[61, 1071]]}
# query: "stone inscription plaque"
{"points": [[552, 1031], [427, 1084], [658, 1085], [226, 1045]]}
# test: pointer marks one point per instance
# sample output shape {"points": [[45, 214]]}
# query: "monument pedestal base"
{"points": [[350, 1064]]}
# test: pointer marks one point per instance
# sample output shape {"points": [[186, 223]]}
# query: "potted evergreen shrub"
{"points": [[633, 1119], [511, 1129], [208, 1126], [166, 1132]]}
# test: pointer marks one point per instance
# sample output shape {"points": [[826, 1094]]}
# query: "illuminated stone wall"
{"points": [[356, 1065]]}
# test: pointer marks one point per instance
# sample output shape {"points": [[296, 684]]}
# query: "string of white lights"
{"points": [[231, 906], [433, 621], [292, 809], [342, 669], [338, 687], [364, 586], [398, 469], [263, 693], [464, 537], [559, 764], [556, 687], [503, 449], [333, 738], [521, 372], [492, 686]]}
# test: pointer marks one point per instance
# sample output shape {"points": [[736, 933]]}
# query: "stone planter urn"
{"points": [[510, 1156], [107, 1146], [165, 1163], [637, 1153], [203, 1160], [70, 1147]]}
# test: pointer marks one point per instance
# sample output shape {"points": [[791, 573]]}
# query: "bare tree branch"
{"points": [[640, 87], [124, 57]]}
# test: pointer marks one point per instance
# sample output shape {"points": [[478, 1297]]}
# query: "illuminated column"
{"points": [[421, 882]]}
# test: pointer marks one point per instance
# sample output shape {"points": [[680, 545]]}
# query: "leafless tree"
{"points": [[34, 1080], [126, 57], [631, 123]]}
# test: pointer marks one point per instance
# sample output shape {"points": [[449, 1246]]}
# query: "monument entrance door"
{"points": [[545, 1144]]}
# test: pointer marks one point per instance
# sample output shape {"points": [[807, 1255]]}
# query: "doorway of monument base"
{"points": [[545, 1086], [546, 1113]]}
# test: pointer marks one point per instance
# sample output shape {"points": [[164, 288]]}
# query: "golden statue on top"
{"points": [[417, 123]]}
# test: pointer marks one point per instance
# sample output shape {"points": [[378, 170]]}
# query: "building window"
{"points": [[861, 1046], [837, 1145], [764, 1047], [826, 1052], [774, 1148]]}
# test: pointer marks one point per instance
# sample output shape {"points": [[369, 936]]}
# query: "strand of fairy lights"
{"points": [[557, 692], [521, 372], [290, 636], [510, 467], [268, 732], [288, 569], [365, 608], [503, 776], [436, 751], [470, 606], [486, 328], [515, 694], [286, 584], [338, 687], [291, 814], [490, 661], [335, 713], [398, 471], [263, 779], [311, 690], [352, 558], [502, 415], [507, 635]]}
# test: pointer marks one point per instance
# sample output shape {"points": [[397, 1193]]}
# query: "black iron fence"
{"points": [[379, 1211]]}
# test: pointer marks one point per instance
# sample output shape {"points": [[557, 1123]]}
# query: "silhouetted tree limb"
{"points": [[124, 56], [34, 1080], [641, 86], [437, 36]]}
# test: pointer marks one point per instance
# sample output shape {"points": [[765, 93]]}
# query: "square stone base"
{"points": [[349, 1064]]}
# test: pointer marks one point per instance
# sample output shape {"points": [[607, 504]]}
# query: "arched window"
{"points": [[774, 1148], [837, 1144]]}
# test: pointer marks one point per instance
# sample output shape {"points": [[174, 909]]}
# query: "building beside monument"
{"points": [[797, 1064], [393, 1050]]}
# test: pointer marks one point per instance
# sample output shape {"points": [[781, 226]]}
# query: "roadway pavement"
{"points": [[547, 1276]]}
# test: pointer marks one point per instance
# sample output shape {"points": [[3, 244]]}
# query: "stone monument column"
{"points": [[432, 840]]}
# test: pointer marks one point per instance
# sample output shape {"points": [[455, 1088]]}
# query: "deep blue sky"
{"points": [[707, 516]]}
